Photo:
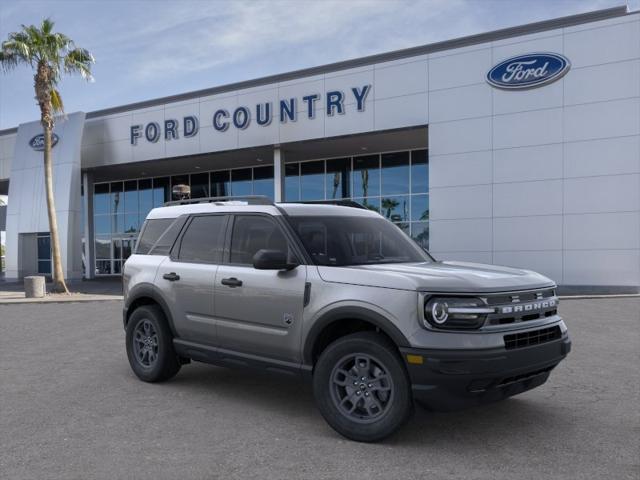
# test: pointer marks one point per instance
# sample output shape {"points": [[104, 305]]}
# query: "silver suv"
{"points": [[338, 295]]}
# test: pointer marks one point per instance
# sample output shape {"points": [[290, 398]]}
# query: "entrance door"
{"points": [[187, 277], [44, 253], [259, 312]]}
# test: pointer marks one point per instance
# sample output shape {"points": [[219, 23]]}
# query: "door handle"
{"points": [[172, 277], [231, 282]]}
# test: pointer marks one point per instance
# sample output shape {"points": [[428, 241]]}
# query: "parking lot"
{"points": [[71, 408]]}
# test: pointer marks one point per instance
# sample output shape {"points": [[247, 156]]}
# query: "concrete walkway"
{"points": [[81, 291]]}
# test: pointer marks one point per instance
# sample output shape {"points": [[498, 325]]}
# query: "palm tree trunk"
{"points": [[59, 284], [42, 86]]}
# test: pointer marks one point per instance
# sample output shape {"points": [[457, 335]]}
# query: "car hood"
{"points": [[437, 277]]}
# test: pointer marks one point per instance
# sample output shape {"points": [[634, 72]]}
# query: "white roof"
{"points": [[315, 209], [174, 211]]}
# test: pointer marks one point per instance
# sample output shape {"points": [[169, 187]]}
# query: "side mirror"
{"points": [[272, 260]]}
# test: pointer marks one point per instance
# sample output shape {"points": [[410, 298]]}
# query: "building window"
{"points": [[241, 182], [395, 184], [199, 185], [220, 184], [263, 181], [338, 179], [292, 182], [120, 208], [312, 180]]}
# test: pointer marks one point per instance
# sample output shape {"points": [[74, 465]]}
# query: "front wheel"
{"points": [[361, 387], [150, 345]]}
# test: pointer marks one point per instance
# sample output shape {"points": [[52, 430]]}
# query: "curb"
{"points": [[102, 298], [586, 297]]}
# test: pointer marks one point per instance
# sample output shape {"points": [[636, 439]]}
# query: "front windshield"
{"points": [[355, 240]]}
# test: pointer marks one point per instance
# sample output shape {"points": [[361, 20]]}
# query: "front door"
{"points": [[187, 277], [259, 312]]}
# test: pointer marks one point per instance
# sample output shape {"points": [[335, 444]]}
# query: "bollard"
{"points": [[34, 287]]}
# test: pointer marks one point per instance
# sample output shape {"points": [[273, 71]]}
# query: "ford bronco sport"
{"points": [[339, 295]]}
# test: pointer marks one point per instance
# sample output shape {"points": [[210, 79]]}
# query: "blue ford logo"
{"points": [[528, 71], [37, 142]]}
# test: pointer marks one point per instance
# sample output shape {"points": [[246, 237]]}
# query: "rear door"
{"points": [[259, 312], [187, 277]]}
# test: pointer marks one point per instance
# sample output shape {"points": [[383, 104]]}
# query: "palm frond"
{"points": [[8, 60], [20, 46], [56, 101], [47, 26], [79, 60]]}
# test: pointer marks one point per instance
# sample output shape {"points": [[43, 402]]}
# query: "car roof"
{"points": [[294, 209], [318, 209]]}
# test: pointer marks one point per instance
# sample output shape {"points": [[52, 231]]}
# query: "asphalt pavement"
{"points": [[70, 408]]}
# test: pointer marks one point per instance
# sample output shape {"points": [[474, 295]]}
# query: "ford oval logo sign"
{"points": [[37, 142], [528, 71]]}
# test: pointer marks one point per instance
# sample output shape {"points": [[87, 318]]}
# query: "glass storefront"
{"points": [[395, 184], [119, 208]]}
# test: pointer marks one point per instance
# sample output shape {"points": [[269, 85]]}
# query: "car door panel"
{"points": [[258, 312], [187, 278], [264, 315], [191, 298]]}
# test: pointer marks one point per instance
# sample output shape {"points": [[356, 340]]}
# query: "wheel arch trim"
{"points": [[147, 290], [350, 312]]}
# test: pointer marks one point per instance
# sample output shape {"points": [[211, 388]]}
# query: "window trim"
{"points": [[174, 253]]}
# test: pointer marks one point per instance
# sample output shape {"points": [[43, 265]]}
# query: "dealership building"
{"points": [[516, 147]]}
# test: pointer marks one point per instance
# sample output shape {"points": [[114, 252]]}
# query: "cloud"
{"points": [[230, 33], [147, 49]]}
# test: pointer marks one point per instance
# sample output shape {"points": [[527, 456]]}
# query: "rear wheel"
{"points": [[362, 388], [150, 345]]}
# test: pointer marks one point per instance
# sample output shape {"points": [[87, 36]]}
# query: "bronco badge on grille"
{"points": [[529, 307]]}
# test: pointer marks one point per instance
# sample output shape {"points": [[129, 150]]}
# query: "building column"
{"points": [[87, 212], [278, 174]]}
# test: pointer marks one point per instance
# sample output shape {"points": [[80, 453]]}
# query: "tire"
{"points": [[150, 345], [384, 402]]}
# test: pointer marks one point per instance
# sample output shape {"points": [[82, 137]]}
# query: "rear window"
{"points": [[159, 234]]}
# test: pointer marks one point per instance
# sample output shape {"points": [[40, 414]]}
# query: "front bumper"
{"points": [[454, 379]]}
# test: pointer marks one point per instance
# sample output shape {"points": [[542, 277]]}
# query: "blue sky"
{"points": [[152, 48]]}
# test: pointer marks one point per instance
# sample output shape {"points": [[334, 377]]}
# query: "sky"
{"points": [[152, 48]]}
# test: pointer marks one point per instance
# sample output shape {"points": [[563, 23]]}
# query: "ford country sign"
{"points": [[37, 142], [285, 110], [528, 71]]}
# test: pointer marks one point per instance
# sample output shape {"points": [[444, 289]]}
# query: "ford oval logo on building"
{"points": [[37, 142], [528, 71]]}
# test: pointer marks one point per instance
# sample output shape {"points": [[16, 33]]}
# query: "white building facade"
{"points": [[518, 147]]}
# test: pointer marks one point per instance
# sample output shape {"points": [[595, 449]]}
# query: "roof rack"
{"points": [[341, 203], [250, 199]]}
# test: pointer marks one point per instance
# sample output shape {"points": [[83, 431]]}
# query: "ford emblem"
{"points": [[528, 71], [37, 142]]}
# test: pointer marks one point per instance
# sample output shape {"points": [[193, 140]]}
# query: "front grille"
{"points": [[534, 337], [507, 298], [521, 306]]}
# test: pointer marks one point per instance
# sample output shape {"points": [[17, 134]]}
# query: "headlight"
{"points": [[455, 312]]}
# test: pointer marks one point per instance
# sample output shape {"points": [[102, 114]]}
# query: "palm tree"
{"points": [[50, 55]]}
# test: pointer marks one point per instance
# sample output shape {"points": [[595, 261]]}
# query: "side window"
{"points": [[203, 240], [252, 233], [151, 232], [168, 238]]}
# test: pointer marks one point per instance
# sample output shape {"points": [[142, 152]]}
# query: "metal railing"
{"points": [[260, 200], [250, 199]]}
